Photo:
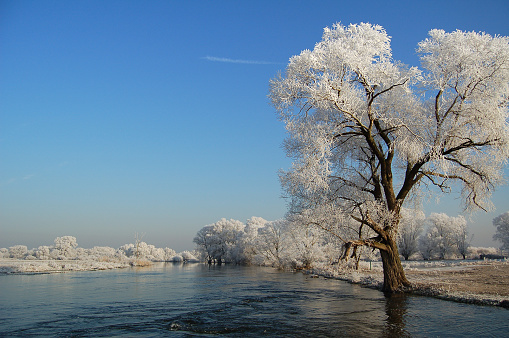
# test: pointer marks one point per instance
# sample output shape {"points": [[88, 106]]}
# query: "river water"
{"points": [[196, 300]]}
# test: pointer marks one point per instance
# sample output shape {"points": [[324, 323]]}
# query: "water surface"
{"points": [[196, 300]]}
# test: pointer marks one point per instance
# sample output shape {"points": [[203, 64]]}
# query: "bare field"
{"points": [[491, 279]]}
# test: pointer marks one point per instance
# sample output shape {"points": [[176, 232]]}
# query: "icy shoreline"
{"points": [[438, 279]]}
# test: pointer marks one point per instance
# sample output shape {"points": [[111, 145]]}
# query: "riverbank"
{"points": [[475, 282], [53, 266]]}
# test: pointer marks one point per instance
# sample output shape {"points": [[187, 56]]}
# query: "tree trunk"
{"points": [[394, 276]]}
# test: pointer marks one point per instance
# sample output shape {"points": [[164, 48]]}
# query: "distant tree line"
{"points": [[66, 248]]}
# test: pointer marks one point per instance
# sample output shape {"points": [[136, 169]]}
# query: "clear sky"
{"points": [[152, 117]]}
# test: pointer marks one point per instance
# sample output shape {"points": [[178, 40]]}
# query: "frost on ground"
{"points": [[47, 266], [476, 282]]}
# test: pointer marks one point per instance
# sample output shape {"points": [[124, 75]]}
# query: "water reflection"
{"points": [[396, 306]]}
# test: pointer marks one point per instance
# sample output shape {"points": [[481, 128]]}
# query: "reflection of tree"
{"points": [[395, 308]]}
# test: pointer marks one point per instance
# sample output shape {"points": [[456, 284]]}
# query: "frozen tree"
{"points": [[65, 247], [101, 253], [306, 246], [18, 251], [249, 240], [426, 245], [220, 241], [43, 252], [479, 252], [411, 224], [462, 239], [444, 236], [128, 250], [137, 243], [188, 256], [502, 233], [206, 242], [157, 254], [272, 243], [367, 133], [169, 254]]}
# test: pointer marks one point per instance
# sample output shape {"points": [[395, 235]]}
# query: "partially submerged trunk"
{"points": [[394, 275]]}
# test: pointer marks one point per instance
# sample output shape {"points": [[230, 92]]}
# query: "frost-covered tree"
{"points": [[188, 256], [306, 246], [127, 250], [18, 251], [443, 236], [366, 133], [65, 247], [43, 252], [462, 239], [205, 242], [4, 252], [101, 253], [249, 241], [169, 254], [272, 243], [427, 246], [220, 241], [412, 223], [502, 232], [479, 252]]}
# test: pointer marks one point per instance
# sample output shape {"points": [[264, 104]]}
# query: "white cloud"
{"points": [[227, 60]]}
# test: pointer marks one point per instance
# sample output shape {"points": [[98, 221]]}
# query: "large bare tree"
{"points": [[366, 132]]}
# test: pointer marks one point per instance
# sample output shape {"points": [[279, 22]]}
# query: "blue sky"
{"points": [[124, 117]]}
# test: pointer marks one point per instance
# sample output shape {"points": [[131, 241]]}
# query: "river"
{"points": [[196, 300]]}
